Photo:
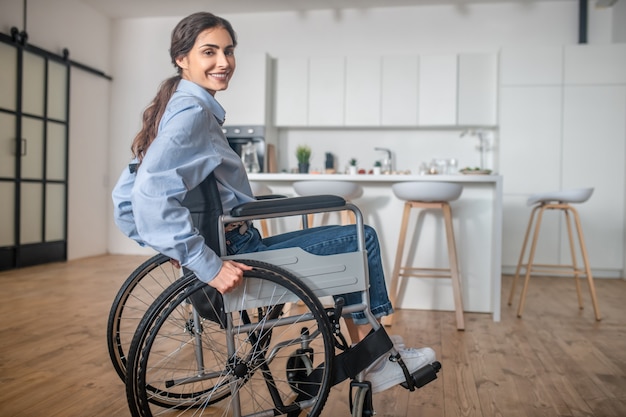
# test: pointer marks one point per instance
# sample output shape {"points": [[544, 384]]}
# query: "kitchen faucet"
{"points": [[387, 166]]}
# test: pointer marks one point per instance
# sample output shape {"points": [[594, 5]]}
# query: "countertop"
{"points": [[468, 178]]}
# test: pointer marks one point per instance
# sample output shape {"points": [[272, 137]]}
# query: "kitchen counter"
{"points": [[477, 217], [364, 178]]}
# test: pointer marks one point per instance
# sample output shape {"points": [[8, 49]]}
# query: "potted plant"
{"points": [[303, 154], [352, 168], [377, 167]]}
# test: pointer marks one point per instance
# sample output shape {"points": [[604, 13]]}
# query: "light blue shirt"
{"points": [[189, 146]]}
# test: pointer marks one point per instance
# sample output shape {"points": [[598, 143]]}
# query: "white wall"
{"points": [[58, 24]]}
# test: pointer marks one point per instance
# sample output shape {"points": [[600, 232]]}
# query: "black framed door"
{"points": [[34, 139]]}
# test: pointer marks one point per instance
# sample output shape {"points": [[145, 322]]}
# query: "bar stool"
{"points": [[559, 200], [260, 189], [428, 195], [346, 189]]}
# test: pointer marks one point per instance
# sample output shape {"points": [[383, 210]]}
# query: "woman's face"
{"points": [[211, 61]]}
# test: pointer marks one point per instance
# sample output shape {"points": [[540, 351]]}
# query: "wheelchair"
{"points": [[268, 348]]}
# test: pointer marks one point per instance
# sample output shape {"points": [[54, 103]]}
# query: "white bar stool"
{"points": [[428, 195], [559, 200], [346, 189]]}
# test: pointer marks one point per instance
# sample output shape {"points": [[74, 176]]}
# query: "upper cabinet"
{"points": [[437, 90], [292, 92], [387, 91], [248, 99], [478, 89], [327, 84], [532, 66], [399, 90], [363, 104], [595, 64]]}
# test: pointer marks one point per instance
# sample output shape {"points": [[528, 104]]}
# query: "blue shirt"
{"points": [[190, 144]]}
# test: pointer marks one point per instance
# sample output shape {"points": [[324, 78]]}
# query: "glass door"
{"points": [[33, 156]]}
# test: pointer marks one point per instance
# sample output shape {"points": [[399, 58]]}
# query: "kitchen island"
{"points": [[477, 217]]}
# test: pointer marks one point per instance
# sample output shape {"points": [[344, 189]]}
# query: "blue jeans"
{"points": [[325, 240]]}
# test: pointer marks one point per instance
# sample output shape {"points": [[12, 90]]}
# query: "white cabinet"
{"points": [[363, 89], [561, 132], [595, 64], [387, 91], [530, 162], [536, 65], [437, 90], [248, 99], [292, 92], [530, 138], [594, 133], [478, 90], [399, 95], [326, 91]]}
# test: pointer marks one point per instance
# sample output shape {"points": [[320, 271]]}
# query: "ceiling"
{"points": [[154, 8]]}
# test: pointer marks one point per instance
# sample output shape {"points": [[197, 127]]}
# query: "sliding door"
{"points": [[33, 155]]}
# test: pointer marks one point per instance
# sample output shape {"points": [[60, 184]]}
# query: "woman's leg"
{"points": [[330, 240]]}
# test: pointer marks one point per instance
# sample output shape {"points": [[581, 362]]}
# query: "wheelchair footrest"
{"points": [[424, 375]]}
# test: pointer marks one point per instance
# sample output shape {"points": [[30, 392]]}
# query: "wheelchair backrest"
{"points": [[205, 205]]}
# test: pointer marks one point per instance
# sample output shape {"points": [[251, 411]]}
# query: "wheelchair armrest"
{"points": [[270, 196], [287, 205]]}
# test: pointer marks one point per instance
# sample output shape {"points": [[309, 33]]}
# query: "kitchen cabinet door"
{"points": [[363, 89], [438, 90], [595, 64], [530, 162], [594, 136], [400, 89], [536, 65], [327, 83], [292, 92], [478, 90], [530, 139], [247, 100]]}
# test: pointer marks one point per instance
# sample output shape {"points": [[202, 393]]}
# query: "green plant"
{"points": [[353, 162], [303, 154], [378, 164]]}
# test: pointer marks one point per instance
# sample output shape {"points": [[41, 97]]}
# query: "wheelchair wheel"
{"points": [[136, 294], [181, 363]]}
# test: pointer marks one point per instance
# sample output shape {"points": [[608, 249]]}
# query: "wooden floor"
{"points": [[555, 361]]}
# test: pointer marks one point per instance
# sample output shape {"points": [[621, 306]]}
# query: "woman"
{"points": [[181, 143]]}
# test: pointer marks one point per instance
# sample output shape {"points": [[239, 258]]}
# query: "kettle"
{"points": [[249, 158]]}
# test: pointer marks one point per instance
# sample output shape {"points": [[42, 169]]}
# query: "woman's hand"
{"points": [[229, 277]]}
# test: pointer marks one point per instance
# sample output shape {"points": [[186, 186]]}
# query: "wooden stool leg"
{"points": [[264, 228], [347, 217], [572, 250], [393, 289], [454, 267], [521, 256], [529, 265], [583, 249]]}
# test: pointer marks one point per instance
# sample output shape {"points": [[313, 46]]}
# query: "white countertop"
{"points": [[374, 178]]}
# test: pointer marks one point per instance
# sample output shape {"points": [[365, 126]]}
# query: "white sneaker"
{"points": [[385, 373]]}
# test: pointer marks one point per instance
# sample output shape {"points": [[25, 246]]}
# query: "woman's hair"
{"points": [[183, 38]]}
